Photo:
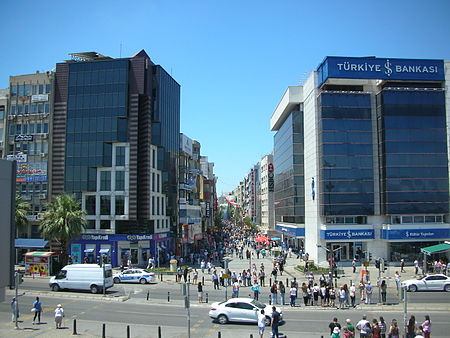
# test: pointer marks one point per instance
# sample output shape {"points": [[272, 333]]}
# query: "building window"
{"points": [[157, 205], [157, 224], [48, 88], [120, 156], [105, 205], [154, 158], [153, 205], [46, 108], [27, 90], [120, 205], [34, 89], [120, 180], [105, 180], [153, 182], [90, 205], [41, 89], [105, 224], [90, 224]]}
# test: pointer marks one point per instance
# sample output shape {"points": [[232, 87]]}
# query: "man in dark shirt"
{"points": [[334, 324], [275, 322]]}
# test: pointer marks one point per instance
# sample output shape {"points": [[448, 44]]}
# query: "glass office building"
{"points": [[375, 161], [113, 148]]}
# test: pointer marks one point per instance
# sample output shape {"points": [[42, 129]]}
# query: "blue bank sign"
{"points": [[383, 69], [414, 234], [291, 231], [353, 234]]}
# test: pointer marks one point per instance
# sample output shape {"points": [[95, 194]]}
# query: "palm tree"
{"points": [[63, 221], [22, 209]]}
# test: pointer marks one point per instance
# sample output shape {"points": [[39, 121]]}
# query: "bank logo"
{"points": [[388, 69]]}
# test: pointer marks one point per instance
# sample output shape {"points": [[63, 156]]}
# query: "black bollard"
{"points": [[270, 281], [270, 300], [104, 330], [148, 294], [128, 331], [203, 280], [159, 331], [287, 282], [251, 336], [74, 327], [219, 335], [168, 296], [207, 297]]}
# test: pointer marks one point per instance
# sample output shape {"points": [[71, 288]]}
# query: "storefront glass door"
{"points": [[341, 251]]}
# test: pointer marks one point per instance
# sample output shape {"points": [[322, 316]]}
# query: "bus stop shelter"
{"points": [[434, 249]]}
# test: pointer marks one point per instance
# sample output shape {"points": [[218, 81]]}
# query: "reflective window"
{"points": [[105, 205], [90, 205], [120, 180], [120, 205], [105, 180]]}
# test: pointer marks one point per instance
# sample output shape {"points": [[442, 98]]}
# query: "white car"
{"points": [[428, 283], [243, 310], [134, 276]]}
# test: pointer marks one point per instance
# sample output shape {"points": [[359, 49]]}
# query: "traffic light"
{"points": [[20, 278]]}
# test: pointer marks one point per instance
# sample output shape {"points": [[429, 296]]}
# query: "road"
{"points": [[144, 320]]}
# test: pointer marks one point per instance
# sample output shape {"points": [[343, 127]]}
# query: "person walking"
{"points": [[282, 290], [426, 327], [59, 315], [235, 290], [15, 314], [416, 267], [215, 280], [350, 327], [361, 288], [274, 292], [293, 295], [37, 309], [275, 322], [261, 323], [195, 277], [262, 275], [402, 265], [354, 265], [200, 292], [383, 287], [256, 290]]}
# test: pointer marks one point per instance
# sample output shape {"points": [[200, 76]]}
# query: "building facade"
{"points": [[114, 149], [267, 184], [376, 153]]}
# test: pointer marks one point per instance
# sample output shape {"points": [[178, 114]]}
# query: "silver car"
{"points": [[244, 310], [428, 283]]}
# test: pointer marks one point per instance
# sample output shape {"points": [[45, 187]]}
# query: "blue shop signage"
{"points": [[413, 234], [383, 69], [291, 231], [353, 234]]}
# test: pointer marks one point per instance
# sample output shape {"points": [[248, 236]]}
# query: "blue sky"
{"points": [[233, 59]]}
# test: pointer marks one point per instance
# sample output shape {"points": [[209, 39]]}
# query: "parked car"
{"points": [[134, 276], [244, 310], [428, 283], [82, 277]]}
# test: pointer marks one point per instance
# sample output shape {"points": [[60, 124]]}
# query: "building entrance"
{"points": [[341, 251]]}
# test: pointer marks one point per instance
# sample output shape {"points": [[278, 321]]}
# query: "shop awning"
{"points": [[41, 253], [30, 243], [436, 248]]}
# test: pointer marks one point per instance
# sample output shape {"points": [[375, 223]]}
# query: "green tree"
{"points": [[21, 219], [63, 221]]}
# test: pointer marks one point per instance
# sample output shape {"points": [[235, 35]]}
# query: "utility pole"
{"points": [[405, 308], [187, 306], [16, 307]]}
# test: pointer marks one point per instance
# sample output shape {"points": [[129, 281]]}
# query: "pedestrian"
{"points": [[305, 294], [333, 325], [411, 327], [256, 289], [293, 295], [352, 292], [274, 293], [362, 327], [336, 333], [416, 267], [375, 329], [185, 273], [261, 323], [200, 292], [235, 290], [350, 327], [149, 264], [37, 309], [383, 288], [59, 315], [369, 291], [394, 331], [215, 280], [262, 275], [426, 326], [332, 297], [275, 322], [15, 314], [383, 327], [341, 297], [195, 277], [361, 288], [282, 290], [354, 265], [402, 265], [202, 265], [316, 291]]}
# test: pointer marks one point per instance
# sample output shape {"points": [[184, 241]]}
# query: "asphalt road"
{"points": [[144, 320], [160, 291]]}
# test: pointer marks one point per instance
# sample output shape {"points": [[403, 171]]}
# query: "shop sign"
{"points": [[186, 144], [296, 232], [39, 98], [381, 68], [23, 138], [347, 234], [95, 237], [19, 158], [31, 172], [139, 237], [414, 234]]}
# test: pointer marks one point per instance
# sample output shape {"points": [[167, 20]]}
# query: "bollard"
{"points": [[104, 330], [168, 296], [251, 336], [128, 331], [207, 297], [159, 331], [148, 294], [203, 280], [270, 281], [74, 327], [270, 300], [219, 335], [287, 282]]}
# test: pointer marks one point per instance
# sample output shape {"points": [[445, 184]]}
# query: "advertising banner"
{"points": [[75, 253], [31, 172], [414, 234]]}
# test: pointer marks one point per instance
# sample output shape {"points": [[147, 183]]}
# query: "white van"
{"points": [[82, 277]]}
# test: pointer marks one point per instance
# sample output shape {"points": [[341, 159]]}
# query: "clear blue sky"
{"points": [[233, 59]]}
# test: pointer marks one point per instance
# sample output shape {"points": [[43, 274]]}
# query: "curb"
{"points": [[63, 294]]}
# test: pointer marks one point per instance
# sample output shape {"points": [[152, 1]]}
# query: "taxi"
{"points": [[134, 276]]}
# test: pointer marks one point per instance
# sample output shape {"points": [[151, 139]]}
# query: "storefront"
{"points": [[291, 235], [406, 243], [346, 244], [121, 248]]}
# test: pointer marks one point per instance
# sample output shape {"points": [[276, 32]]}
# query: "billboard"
{"points": [[186, 144], [31, 172]]}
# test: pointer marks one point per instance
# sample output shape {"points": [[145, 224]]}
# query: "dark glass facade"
{"points": [[346, 156], [96, 117], [288, 170], [413, 148]]}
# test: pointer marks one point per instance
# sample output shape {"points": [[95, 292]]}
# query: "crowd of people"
{"points": [[378, 328]]}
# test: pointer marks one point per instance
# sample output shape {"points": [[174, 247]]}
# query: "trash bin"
{"points": [[173, 265]]}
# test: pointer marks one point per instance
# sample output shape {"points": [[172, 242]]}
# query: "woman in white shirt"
{"points": [[59, 314]]}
